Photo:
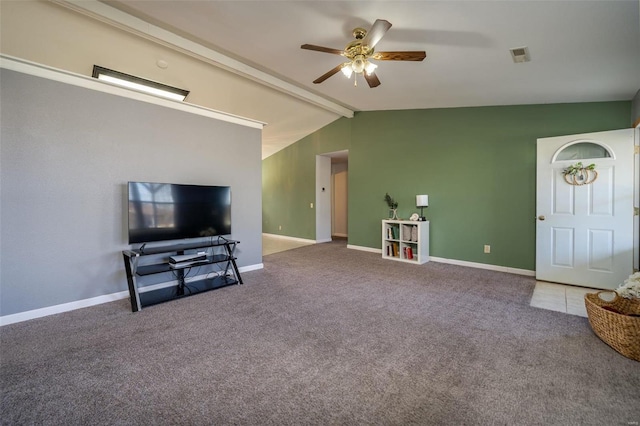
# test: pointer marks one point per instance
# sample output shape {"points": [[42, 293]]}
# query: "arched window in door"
{"points": [[582, 151]]}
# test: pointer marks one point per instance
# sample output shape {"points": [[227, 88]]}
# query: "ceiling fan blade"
{"points": [[377, 31], [328, 74], [321, 49], [400, 56], [372, 79]]}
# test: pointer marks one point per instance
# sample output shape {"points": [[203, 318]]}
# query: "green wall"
{"points": [[288, 181], [476, 164]]}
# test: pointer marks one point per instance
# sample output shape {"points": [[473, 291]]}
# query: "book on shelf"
{"points": [[392, 233], [407, 253]]}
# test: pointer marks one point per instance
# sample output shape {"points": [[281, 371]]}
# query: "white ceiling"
{"points": [[581, 51]]}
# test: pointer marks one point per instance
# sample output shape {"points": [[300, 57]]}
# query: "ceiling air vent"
{"points": [[520, 54]]}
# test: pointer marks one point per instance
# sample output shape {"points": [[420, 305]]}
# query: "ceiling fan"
{"points": [[360, 51]]}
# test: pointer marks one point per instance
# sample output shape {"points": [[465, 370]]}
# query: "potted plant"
{"points": [[393, 205]]}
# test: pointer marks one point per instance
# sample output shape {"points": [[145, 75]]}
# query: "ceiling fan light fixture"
{"points": [[346, 69], [358, 64], [369, 67], [359, 51]]}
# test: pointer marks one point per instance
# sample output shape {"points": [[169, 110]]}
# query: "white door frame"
{"points": [[324, 194], [339, 187], [323, 199], [636, 199], [621, 243]]}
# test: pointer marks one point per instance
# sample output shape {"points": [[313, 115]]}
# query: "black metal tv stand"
{"points": [[219, 252]]}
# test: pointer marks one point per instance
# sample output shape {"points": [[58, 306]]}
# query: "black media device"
{"points": [[168, 211]]}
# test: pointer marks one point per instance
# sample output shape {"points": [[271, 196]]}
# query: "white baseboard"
{"points": [[296, 239], [65, 307], [460, 262], [98, 300], [251, 267], [484, 266], [286, 237], [362, 248], [85, 303]]}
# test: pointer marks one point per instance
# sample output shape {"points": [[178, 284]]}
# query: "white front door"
{"points": [[585, 225]]}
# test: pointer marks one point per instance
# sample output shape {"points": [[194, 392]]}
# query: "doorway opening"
{"points": [[332, 172]]}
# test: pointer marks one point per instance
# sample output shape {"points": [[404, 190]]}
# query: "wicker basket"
{"points": [[619, 329]]}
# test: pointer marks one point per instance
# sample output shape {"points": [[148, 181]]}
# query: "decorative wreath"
{"points": [[580, 175]]}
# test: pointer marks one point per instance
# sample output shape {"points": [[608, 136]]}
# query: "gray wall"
{"points": [[66, 155]]}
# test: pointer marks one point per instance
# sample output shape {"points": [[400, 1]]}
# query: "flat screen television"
{"points": [[169, 211]]}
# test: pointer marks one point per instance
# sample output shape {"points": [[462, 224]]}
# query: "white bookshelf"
{"points": [[405, 241]]}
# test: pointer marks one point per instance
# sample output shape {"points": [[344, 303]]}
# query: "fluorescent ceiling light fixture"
{"points": [[140, 84]]}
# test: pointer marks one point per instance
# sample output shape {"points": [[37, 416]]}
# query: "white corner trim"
{"points": [[286, 237], [67, 77], [98, 300], [129, 23], [484, 266]]}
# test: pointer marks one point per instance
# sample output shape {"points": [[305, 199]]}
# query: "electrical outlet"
{"points": [[279, 227], [311, 205], [487, 248]]}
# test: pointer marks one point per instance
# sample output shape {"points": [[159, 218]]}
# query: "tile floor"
{"points": [[273, 244], [562, 298], [555, 297]]}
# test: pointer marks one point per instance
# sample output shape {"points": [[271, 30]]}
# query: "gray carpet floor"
{"points": [[322, 335]]}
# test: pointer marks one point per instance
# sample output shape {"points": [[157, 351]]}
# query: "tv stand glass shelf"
{"points": [[216, 256]]}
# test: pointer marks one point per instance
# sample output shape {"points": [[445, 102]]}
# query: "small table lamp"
{"points": [[422, 201]]}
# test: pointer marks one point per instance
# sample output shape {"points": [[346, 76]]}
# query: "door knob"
{"points": [[541, 217]]}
